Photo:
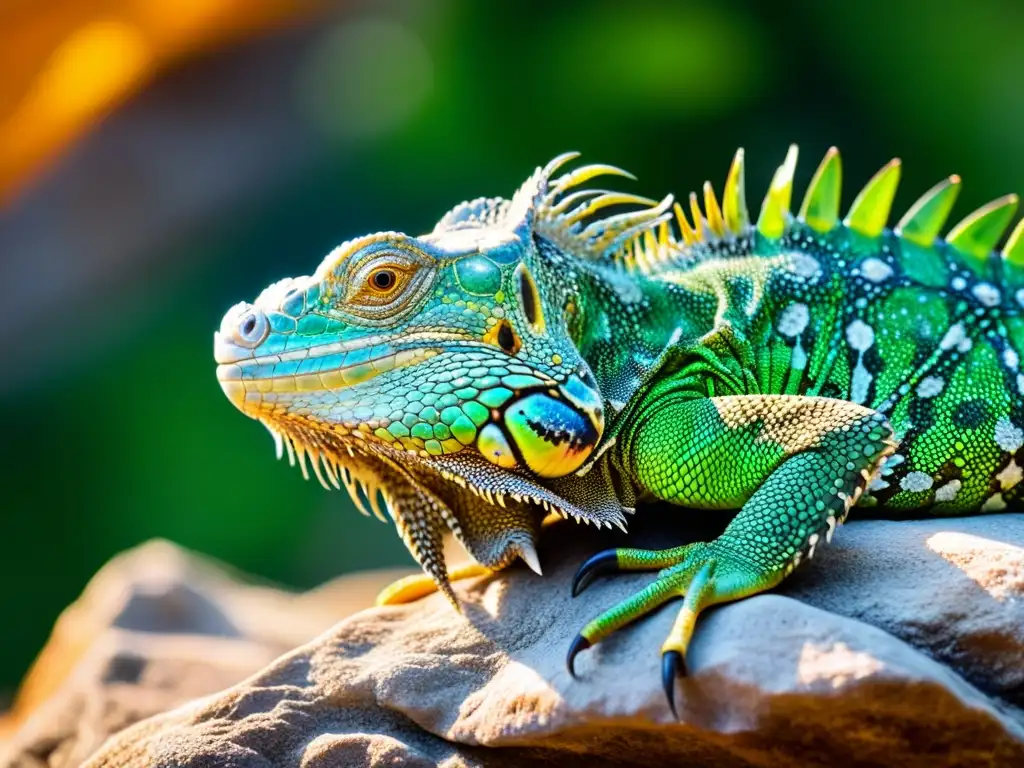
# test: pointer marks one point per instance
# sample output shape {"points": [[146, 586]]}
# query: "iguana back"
{"points": [[573, 350], [924, 330]]}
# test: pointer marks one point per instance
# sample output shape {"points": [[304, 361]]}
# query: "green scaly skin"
{"points": [[542, 354]]}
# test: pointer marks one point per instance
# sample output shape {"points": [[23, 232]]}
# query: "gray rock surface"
{"points": [[156, 627], [902, 644]]}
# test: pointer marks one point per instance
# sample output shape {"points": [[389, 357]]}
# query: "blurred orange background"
{"points": [[161, 160], [66, 63]]}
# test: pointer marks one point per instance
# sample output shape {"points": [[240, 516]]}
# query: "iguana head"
{"points": [[435, 374]]}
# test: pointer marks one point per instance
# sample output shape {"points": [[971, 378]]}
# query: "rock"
{"points": [[796, 677], [156, 627], [952, 588]]}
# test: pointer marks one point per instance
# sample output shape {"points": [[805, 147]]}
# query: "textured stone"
{"points": [[158, 626], [796, 677], [952, 588]]}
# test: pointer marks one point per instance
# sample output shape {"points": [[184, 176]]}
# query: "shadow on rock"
{"points": [[839, 666]]}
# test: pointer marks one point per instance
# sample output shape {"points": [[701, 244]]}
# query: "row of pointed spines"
{"points": [[976, 236]]}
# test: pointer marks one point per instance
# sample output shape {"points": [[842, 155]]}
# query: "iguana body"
{"points": [[539, 355]]}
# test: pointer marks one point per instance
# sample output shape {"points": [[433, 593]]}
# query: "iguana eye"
{"points": [[382, 280], [378, 285]]}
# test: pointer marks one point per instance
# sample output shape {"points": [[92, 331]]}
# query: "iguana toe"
{"points": [[596, 565], [579, 643], [673, 666]]}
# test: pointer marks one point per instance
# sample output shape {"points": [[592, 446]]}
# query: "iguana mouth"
{"points": [[226, 352], [250, 377], [245, 376]]}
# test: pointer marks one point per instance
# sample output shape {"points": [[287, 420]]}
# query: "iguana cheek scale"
{"points": [[573, 349]]}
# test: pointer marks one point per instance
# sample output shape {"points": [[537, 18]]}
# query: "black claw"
{"points": [[596, 565], [579, 643], [673, 665]]}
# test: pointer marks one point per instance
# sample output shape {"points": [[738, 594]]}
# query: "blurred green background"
{"points": [[248, 160]]}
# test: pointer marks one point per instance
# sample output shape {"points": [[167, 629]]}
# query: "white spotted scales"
{"points": [[578, 351]]}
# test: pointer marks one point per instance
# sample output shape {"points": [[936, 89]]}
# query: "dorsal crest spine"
{"points": [[654, 234]]}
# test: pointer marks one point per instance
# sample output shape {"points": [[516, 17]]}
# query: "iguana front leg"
{"points": [[793, 465]]}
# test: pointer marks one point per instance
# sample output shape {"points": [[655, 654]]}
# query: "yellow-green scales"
{"points": [[575, 350]]}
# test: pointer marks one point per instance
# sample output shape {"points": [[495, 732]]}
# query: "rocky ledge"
{"points": [[901, 644]]}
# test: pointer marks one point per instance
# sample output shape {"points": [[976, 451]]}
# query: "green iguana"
{"points": [[575, 350]]}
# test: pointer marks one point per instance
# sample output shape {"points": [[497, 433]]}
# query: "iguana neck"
{"points": [[622, 323]]}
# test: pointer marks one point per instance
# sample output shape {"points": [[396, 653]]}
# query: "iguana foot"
{"points": [[806, 462], [703, 574]]}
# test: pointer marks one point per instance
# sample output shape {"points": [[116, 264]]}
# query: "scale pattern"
{"points": [[572, 349], [923, 336]]}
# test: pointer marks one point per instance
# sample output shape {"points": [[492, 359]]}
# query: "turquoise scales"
{"points": [[574, 349]]}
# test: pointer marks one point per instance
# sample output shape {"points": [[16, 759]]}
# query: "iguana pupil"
{"points": [[383, 279]]}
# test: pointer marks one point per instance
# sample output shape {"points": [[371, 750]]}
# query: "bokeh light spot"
{"points": [[662, 60], [84, 76], [365, 78]]}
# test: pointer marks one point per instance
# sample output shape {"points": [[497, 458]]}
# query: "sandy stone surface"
{"points": [[156, 627], [902, 644]]}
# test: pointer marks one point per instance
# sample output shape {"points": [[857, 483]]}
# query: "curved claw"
{"points": [[672, 666], [579, 643], [595, 565]]}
